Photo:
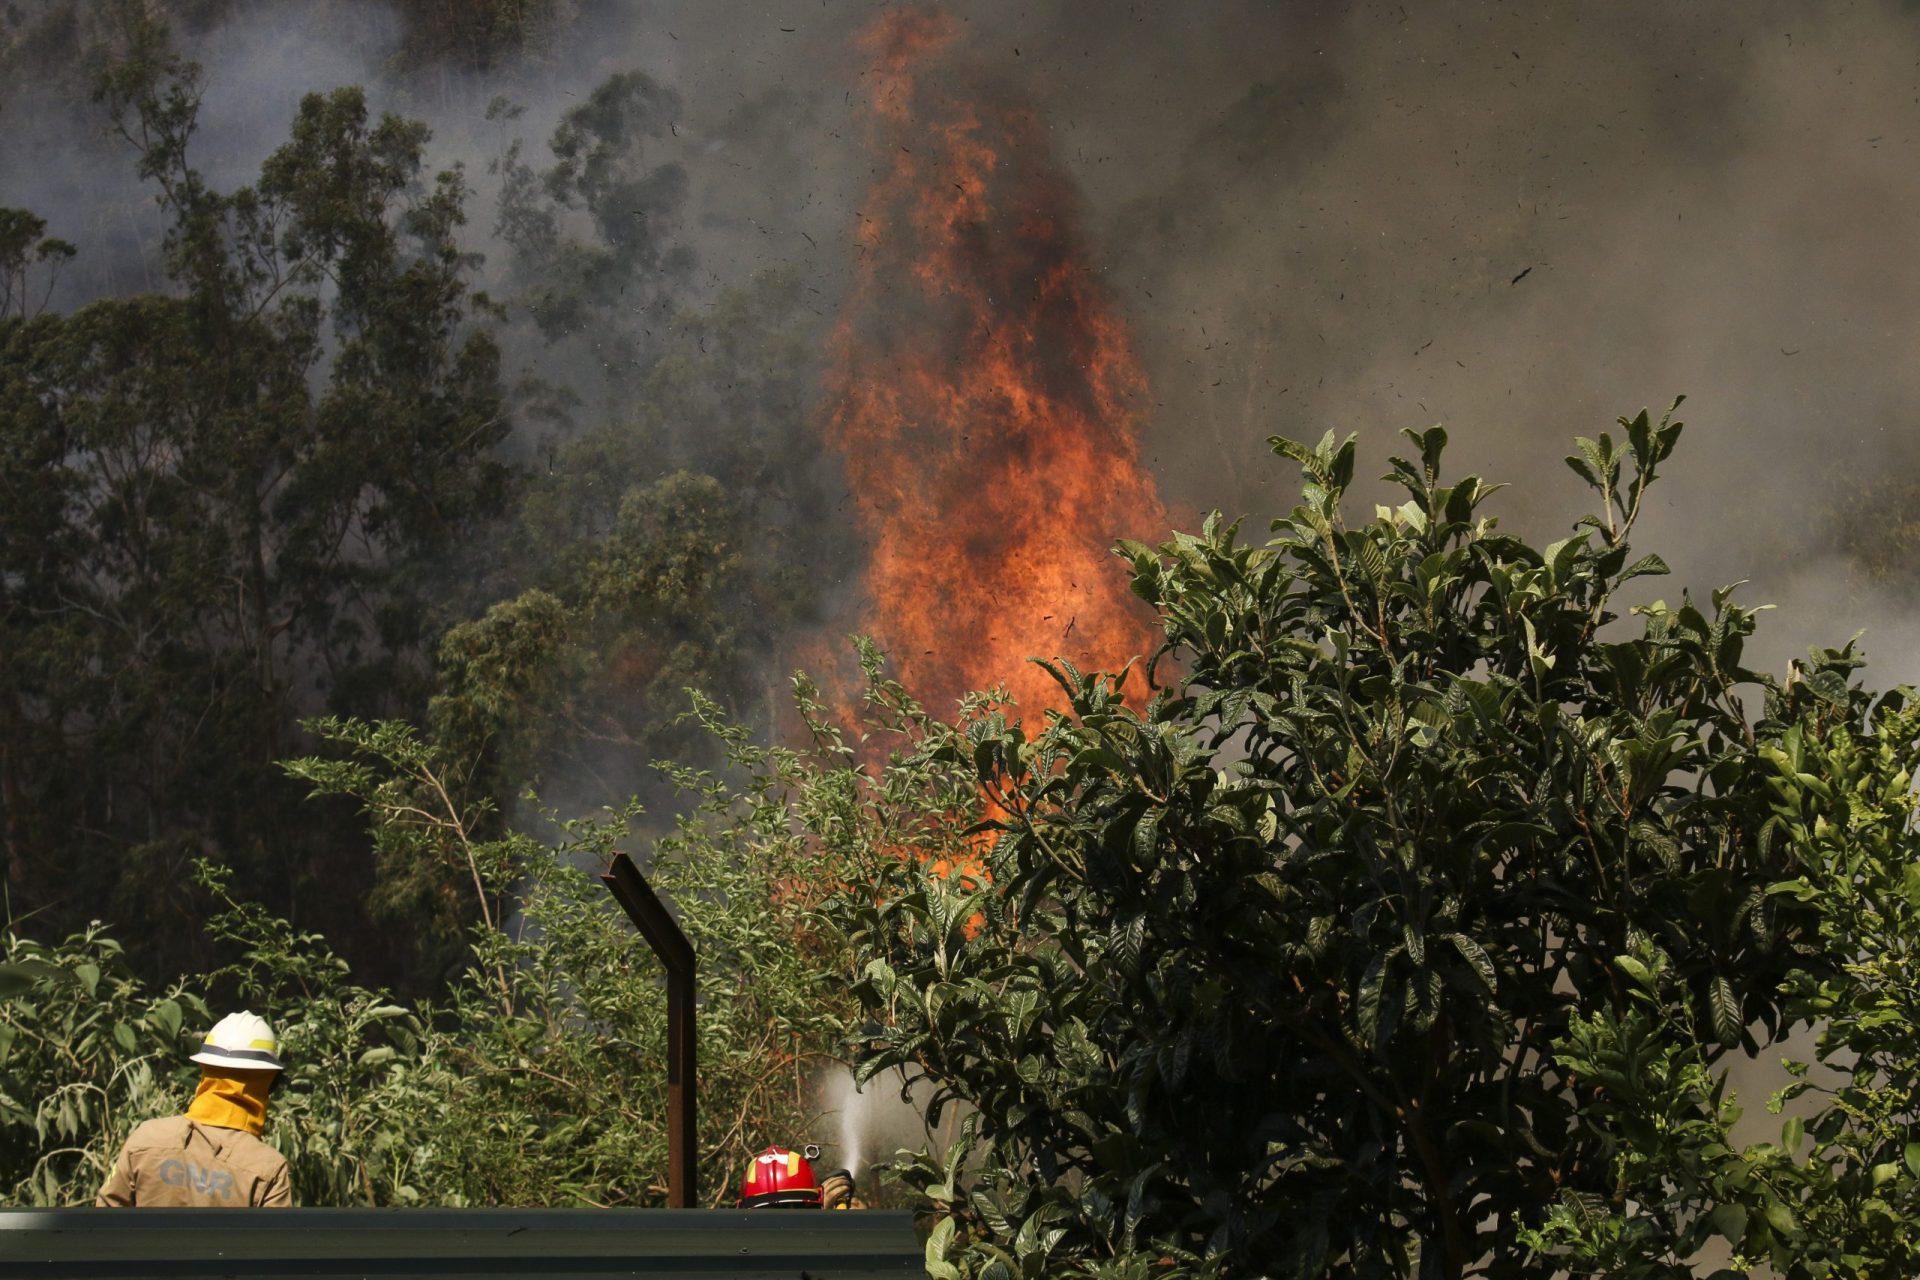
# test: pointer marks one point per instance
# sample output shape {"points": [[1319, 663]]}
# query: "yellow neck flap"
{"points": [[231, 1098]]}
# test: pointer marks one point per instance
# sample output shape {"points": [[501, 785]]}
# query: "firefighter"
{"points": [[836, 1191], [212, 1156], [782, 1179]]}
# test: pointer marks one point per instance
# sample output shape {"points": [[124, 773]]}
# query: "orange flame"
{"points": [[984, 394]]}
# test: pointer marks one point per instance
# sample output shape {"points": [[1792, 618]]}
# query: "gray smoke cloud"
{"points": [[1518, 221], [1521, 221], [59, 157], [1512, 219]]}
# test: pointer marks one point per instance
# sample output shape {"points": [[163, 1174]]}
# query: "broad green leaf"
{"points": [[1728, 1023]]}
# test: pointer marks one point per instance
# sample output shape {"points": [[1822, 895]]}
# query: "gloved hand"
{"points": [[836, 1190]]}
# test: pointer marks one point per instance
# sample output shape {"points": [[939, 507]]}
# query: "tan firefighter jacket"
{"points": [[181, 1163]]}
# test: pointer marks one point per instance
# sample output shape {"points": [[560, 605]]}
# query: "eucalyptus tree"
{"points": [[248, 496]]}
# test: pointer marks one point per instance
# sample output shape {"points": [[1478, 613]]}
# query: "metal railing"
{"points": [[757, 1244]]}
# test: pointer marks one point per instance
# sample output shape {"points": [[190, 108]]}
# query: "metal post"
{"points": [[657, 926]]}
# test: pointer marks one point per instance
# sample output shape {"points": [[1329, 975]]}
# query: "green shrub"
{"points": [[1266, 975], [86, 1053], [538, 1080]]}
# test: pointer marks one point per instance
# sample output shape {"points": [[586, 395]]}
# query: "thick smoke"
{"points": [[1517, 220], [1520, 221], [1314, 215], [60, 158]]}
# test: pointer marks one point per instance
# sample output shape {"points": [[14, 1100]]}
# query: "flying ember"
{"points": [[983, 391]]}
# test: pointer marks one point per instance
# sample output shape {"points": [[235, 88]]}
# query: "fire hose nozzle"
{"points": [[811, 1151]]}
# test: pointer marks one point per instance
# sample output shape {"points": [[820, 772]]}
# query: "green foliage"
{"points": [[631, 573], [1839, 1194], [603, 170], [1266, 976], [347, 1110], [650, 607], [276, 489], [539, 1079], [229, 505], [436, 867], [87, 1051], [1844, 803], [24, 245]]}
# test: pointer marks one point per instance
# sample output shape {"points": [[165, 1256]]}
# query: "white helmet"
{"points": [[241, 1040]]}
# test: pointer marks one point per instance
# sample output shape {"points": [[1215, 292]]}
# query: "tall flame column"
{"points": [[982, 391]]}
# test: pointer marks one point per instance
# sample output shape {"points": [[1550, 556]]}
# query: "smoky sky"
{"points": [[1518, 220]]}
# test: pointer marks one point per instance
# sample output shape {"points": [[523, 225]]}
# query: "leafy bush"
{"points": [[1267, 976], [1839, 1193], [86, 1053], [540, 1078]]}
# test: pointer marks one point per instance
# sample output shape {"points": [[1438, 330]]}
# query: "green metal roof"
{"points": [[764, 1244]]}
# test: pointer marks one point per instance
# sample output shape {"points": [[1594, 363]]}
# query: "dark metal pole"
{"points": [[662, 933]]}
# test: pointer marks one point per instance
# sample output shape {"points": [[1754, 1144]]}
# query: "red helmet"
{"points": [[780, 1179]]}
